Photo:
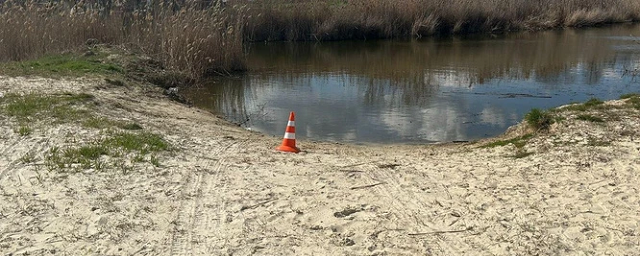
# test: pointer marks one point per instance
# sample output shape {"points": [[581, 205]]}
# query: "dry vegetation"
{"points": [[365, 19], [191, 39], [208, 38]]}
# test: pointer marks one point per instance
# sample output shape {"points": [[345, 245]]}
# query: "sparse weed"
{"points": [[143, 142], [124, 168], [590, 118], [593, 102], [138, 158], [99, 164], [85, 156], [131, 126], [98, 123], [634, 101], [53, 160], [115, 145], [590, 104], [598, 143], [518, 142], [35, 106], [29, 157], [629, 95], [155, 161], [24, 130]]}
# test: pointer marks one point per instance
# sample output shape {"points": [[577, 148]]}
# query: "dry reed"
{"points": [[367, 19], [205, 37], [189, 38]]}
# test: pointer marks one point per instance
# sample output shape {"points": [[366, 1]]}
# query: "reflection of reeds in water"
{"points": [[224, 96], [413, 70], [543, 55]]}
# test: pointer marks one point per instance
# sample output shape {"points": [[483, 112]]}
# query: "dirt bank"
{"points": [[221, 190]]}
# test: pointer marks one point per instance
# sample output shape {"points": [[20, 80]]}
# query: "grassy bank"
{"points": [[209, 39], [593, 112], [114, 140]]}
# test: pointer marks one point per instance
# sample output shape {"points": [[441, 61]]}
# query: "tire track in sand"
{"points": [[200, 214], [410, 209]]}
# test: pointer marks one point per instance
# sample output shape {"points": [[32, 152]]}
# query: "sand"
{"points": [[226, 191]]}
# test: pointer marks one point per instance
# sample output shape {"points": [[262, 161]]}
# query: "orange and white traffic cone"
{"points": [[289, 141]]}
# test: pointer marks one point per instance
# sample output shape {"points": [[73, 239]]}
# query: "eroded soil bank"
{"points": [[93, 178]]}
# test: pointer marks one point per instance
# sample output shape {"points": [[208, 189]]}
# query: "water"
{"points": [[434, 90]]}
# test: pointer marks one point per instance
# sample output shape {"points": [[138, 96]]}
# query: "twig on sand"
{"points": [[353, 165], [441, 232], [368, 186], [139, 250], [256, 205], [350, 171]]}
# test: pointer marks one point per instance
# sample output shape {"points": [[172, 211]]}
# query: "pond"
{"points": [[423, 91]]}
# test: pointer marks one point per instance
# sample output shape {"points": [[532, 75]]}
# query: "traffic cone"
{"points": [[289, 141]]}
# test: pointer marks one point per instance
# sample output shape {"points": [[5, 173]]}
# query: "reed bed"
{"points": [[208, 36], [186, 38], [373, 19]]}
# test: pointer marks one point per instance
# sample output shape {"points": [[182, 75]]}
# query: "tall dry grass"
{"points": [[364, 19], [205, 37], [188, 38]]}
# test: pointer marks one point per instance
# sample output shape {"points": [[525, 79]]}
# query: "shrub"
{"points": [[538, 119]]}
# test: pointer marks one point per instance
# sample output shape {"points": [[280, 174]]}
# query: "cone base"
{"points": [[284, 148]]}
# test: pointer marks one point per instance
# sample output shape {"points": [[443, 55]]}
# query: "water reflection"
{"points": [[423, 91]]}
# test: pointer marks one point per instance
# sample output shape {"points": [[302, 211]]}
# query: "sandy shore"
{"points": [[225, 191]]}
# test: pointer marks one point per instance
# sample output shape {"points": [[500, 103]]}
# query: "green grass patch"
{"points": [[29, 157], [538, 119], [590, 118], [103, 123], [31, 108], [63, 107], [629, 95], [87, 152], [143, 142], [84, 157], [24, 130], [519, 142], [116, 145], [62, 65], [131, 126], [98, 122], [634, 101], [591, 103]]}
